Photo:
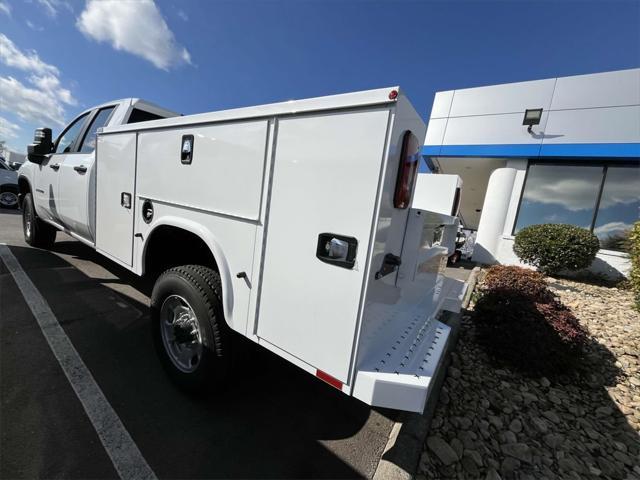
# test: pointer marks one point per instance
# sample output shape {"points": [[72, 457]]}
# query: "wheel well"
{"points": [[170, 246], [23, 189]]}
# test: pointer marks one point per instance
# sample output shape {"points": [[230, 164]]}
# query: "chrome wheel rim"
{"points": [[8, 199], [181, 334]]}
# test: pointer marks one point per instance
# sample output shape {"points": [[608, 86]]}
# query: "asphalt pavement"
{"points": [[272, 421]]}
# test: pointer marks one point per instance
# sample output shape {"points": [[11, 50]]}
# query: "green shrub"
{"points": [[634, 252], [519, 322], [552, 247]]}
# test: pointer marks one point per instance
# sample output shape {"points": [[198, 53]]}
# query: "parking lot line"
{"points": [[124, 453]]}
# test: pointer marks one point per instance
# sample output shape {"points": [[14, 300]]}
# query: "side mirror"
{"points": [[41, 147]]}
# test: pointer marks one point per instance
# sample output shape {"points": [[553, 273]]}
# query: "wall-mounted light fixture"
{"points": [[532, 117]]}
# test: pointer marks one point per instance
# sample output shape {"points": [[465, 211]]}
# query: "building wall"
{"points": [[587, 118], [597, 114]]}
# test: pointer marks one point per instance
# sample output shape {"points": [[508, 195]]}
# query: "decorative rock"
{"points": [[540, 424], [442, 450], [492, 475], [553, 440], [509, 467], [509, 437], [475, 456], [515, 426], [551, 415], [545, 382], [521, 451], [457, 446], [454, 372], [470, 466]]}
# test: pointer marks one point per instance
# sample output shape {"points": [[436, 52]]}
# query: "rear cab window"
{"points": [[138, 115]]}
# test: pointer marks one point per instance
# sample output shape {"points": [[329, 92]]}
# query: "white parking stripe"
{"points": [[124, 453]]}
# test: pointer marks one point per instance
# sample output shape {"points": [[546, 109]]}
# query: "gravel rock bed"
{"points": [[494, 423]]}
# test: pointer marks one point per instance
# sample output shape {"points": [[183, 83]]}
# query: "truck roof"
{"points": [[291, 107], [137, 103]]}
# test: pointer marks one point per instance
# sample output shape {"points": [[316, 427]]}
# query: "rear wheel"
{"points": [[36, 232], [189, 330]]}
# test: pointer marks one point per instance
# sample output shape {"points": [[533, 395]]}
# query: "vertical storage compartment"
{"points": [[326, 173]]}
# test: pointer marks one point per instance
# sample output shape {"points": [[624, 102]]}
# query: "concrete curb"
{"points": [[406, 440]]}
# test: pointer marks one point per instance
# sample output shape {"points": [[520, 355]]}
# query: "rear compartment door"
{"points": [[325, 181]]}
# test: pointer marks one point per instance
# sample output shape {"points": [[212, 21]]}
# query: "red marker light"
{"points": [[393, 94], [334, 382]]}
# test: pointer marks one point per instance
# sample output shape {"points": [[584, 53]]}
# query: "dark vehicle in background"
{"points": [[8, 185]]}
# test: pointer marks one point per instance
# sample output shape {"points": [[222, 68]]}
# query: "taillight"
{"points": [[409, 159]]}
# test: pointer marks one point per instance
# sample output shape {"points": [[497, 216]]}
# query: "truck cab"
{"points": [[63, 184]]}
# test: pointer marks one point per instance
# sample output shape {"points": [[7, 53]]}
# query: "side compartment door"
{"points": [[115, 192], [325, 181]]}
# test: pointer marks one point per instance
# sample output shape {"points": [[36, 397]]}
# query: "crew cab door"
{"points": [[77, 178], [47, 176]]}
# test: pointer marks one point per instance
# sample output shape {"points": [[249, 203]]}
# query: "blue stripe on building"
{"points": [[575, 150]]}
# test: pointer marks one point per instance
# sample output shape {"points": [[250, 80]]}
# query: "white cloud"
{"points": [[5, 8], [136, 27], [11, 56], [29, 104], [33, 26], [41, 102], [612, 227], [183, 15], [51, 7], [8, 130]]}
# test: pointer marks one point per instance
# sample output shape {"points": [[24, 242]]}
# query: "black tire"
{"points": [[36, 232], [9, 196], [201, 288]]}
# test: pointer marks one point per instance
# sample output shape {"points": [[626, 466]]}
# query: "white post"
{"points": [[494, 214]]}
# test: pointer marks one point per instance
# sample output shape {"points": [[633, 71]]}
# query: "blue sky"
{"points": [[58, 57]]}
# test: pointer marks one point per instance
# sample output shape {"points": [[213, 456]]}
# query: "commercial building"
{"points": [[574, 158]]}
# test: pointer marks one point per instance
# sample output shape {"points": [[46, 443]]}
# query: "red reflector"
{"points": [[393, 94], [334, 382]]}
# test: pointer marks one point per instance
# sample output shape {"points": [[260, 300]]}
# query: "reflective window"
{"points": [[560, 194], [89, 142], [65, 142], [619, 207]]}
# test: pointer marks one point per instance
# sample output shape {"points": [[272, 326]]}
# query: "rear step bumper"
{"points": [[402, 378], [402, 373]]}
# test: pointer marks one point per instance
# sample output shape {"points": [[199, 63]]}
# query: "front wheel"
{"points": [[189, 330], [36, 232]]}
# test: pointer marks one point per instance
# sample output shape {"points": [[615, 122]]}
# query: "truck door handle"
{"points": [[55, 166], [80, 169]]}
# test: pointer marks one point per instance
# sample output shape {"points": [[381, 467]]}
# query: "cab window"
{"points": [[138, 115], [99, 121], [69, 136]]}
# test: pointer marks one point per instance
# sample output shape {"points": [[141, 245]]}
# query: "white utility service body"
{"points": [[295, 201]]}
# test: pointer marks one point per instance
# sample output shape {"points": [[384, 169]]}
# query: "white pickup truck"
{"points": [[290, 224]]}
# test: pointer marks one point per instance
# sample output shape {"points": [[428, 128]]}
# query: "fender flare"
{"points": [[214, 247]]}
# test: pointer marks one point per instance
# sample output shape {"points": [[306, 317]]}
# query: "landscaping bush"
{"points": [[634, 252], [521, 323], [553, 247], [516, 282]]}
